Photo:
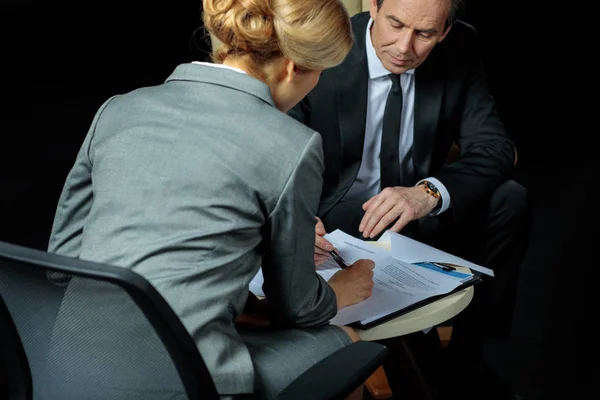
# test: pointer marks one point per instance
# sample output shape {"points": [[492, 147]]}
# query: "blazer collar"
{"points": [[223, 77]]}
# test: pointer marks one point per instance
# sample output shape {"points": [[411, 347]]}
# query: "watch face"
{"points": [[434, 189]]}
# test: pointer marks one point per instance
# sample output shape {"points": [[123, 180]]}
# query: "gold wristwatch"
{"points": [[432, 190]]}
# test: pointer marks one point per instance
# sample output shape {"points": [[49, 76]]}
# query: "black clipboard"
{"points": [[477, 278]]}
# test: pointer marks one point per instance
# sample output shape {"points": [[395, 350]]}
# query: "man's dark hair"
{"points": [[455, 8]]}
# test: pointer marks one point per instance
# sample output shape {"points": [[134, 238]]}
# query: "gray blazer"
{"points": [[194, 184]]}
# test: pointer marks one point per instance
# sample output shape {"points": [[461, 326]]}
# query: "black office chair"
{"points": [[73, 329]]}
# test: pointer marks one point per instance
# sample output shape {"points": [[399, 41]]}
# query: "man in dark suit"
{"points": [[411, 88]]}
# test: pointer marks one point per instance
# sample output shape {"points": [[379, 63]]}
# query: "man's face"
{"points": [[405, 31]]}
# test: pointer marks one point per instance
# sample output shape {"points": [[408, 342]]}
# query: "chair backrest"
{"points": [[92, 331]]}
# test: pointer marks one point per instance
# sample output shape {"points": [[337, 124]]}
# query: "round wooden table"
{"points": [[420, 319]]}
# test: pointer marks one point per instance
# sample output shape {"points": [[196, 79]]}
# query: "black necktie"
{"points": [[389, 158]]}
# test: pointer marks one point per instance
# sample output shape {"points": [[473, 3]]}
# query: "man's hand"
{"points": [[353, 284], [403, 204], [322, 246]]}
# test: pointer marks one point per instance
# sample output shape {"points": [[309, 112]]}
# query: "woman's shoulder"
{"points": [[287, 133]]}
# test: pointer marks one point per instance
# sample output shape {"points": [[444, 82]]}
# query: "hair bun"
{"points": [[242, 25], [314, 34]]}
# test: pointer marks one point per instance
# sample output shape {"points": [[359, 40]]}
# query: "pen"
{"points": [[338, 259], [445, 267]]}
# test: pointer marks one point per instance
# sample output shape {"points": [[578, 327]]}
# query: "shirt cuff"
{"points": [[443, 191]]}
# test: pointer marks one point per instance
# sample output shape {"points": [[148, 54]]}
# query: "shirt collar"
{"points": [[376, 68], [220, 66]]}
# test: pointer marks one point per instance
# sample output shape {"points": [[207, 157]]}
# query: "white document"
{"points": [[349, 248], [409, 250], [397, 285], [256, 284]]}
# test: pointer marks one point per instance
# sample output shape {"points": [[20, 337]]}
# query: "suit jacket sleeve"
{"points": [[75, 200], [487, 153], [297, 294]]}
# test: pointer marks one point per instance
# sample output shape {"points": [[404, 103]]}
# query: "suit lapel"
{"points": [[351, 86], [429, 92]]}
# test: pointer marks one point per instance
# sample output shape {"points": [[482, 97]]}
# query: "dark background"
{"points": [[61, 61]]}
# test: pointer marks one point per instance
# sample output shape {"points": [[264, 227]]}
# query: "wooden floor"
{"points": [[445, 333]]}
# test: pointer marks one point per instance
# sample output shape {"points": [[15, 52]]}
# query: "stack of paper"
{"points": [[410, 250], [399, 282]]}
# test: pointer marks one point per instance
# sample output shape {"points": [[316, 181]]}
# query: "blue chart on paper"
{"points": [[462, 276]]}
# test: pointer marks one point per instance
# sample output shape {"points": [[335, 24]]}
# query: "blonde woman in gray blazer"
{"points": [[198, 182]]}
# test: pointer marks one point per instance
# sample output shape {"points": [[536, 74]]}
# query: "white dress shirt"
{"points": [[368, 183], [219, 66]]}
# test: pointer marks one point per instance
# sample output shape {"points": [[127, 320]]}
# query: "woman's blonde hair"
{"points": [[314, 34]]}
